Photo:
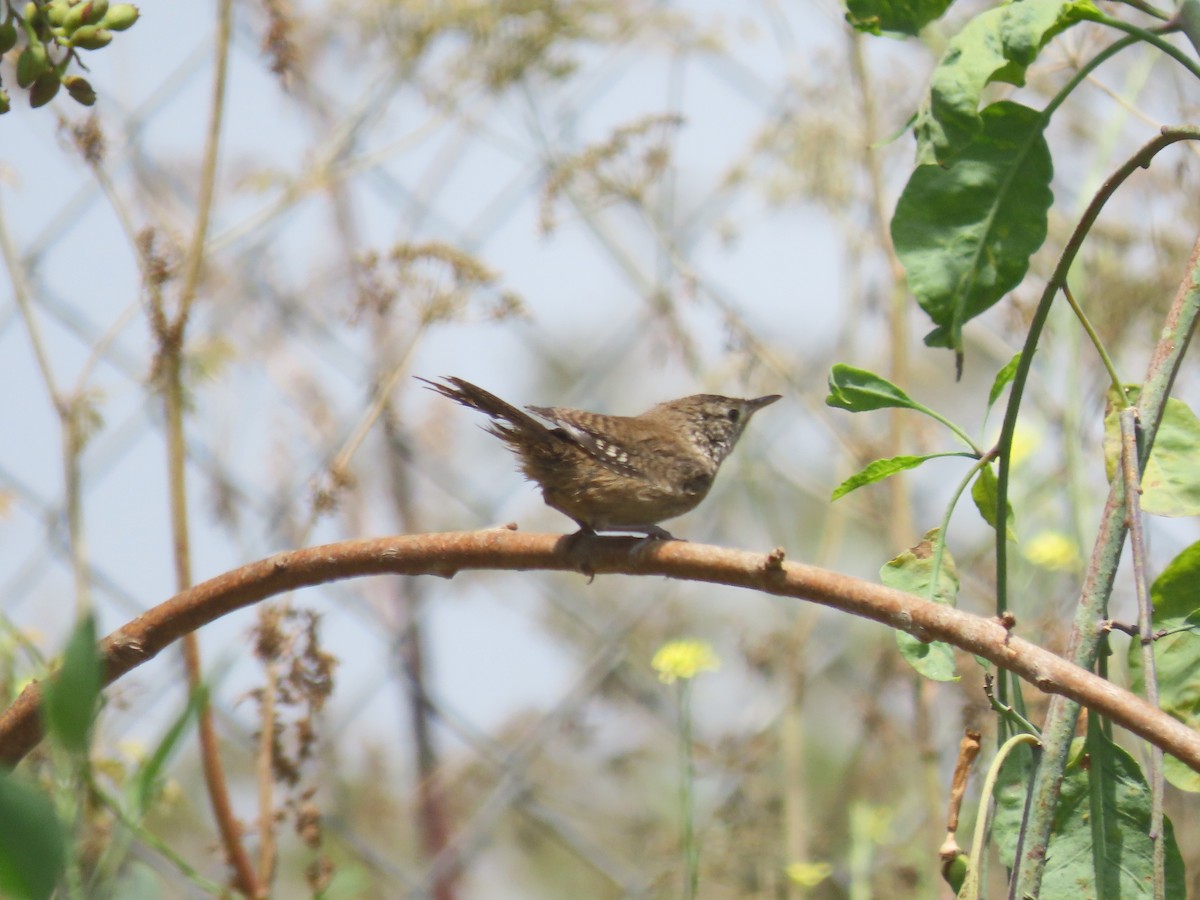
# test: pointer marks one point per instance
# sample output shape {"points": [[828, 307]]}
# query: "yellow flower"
{"points": [[1053, 550], [684, 659], [131, 750], [809, 874], [1026, 442]]}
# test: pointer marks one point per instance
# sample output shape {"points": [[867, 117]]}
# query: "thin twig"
{"points": [[264, 773], [1131, 470], [69, 412], [169, 331]]}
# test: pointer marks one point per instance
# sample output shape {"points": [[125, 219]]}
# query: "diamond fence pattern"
{"points": [[495, 735], [666, 271]]}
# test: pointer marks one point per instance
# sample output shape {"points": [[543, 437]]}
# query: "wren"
{"points": [[617, 473]]}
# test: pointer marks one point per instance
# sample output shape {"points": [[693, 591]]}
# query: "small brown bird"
{"points": [[617, 473]]}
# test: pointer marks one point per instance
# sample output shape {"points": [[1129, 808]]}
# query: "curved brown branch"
{"points": [[447, 554]]}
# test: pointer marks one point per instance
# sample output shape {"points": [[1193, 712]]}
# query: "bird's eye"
{"points": [[734, 414]]}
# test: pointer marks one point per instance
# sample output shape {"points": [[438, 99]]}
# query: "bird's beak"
{"points": [[759, 402]]}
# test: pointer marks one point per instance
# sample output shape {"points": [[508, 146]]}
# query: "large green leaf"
{"points": [[965, 233], [1171, 480], [996, 45], [896, 16], [912, 571], [1176, 597], [32, 842], [1126, 861]]}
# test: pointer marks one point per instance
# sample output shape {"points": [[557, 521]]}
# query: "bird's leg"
{"points": [[570, 544]]}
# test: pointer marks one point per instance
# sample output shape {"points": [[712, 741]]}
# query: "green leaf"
{"points": [[996, 45], [1003, 378], [860, 391], [985, 493], [70, 697], [1126, 859], [896, 16], [965, 233], [881, 469], [1171, 480], [912, 571], [1099, 787], [146, 783], [1176, 598], [32, 841]]}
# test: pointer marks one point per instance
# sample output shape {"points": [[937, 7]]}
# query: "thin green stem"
{"points": [[1008, 712], [1150, 37], [1146, 8], [149, 838], [972, 885], [958, 432], [1038, 323], [1058, 280], [939, 546], [1097, 343], [687, 785]]}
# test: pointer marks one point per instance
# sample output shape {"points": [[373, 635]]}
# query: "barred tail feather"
{"points": [[475, 397]]}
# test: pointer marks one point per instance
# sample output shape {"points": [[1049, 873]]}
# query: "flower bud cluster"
{"points": [[50, 26]]}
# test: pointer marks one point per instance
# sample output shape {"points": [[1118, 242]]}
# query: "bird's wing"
{"points": [[588, 432]]}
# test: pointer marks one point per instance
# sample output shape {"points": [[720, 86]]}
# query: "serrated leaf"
{"points": [[965, 233], [906, 17], [32, 841], [881, 469], [861, 391], [1171, 480], [1003, 378], [1127, 859], [996, 45], [985, 493], [1176, 598], [912, 571], [71, 694]]}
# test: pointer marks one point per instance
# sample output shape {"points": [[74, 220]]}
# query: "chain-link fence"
{"points": [[582, 204]]}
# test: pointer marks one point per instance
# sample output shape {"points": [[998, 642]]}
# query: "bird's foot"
{"points": [[654, 534], [571, 543]]}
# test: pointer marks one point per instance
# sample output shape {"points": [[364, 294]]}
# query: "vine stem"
{"points": [[1091, 613]]}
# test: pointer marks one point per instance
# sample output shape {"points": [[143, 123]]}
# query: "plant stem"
{"points": [[1092, 609], [687, 784], [1131, 471]]}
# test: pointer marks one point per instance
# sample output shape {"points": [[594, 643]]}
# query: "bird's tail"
{"points": [[519, 423]]}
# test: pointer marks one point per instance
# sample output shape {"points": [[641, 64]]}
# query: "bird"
{"points": [[616, 473]]}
